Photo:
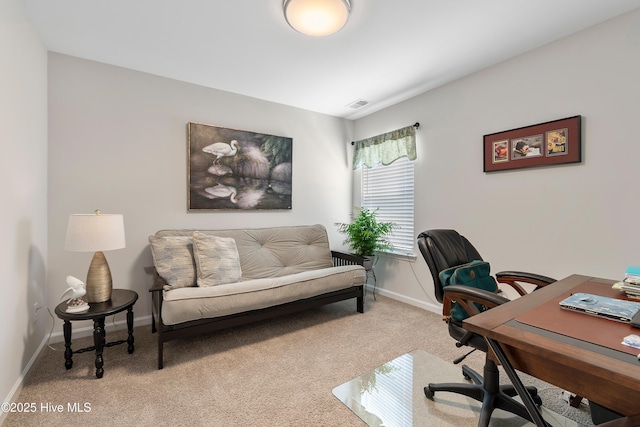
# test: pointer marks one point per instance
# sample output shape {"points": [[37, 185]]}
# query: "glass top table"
{"points": [[392, 395]]}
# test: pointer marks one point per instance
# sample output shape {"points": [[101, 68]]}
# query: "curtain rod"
{"points": [[415, 125]]}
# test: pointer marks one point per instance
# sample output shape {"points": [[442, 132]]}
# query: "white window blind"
{"points": [[389, 189]]}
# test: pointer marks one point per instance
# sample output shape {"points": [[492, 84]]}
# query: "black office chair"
{"points": [[443, 249]]}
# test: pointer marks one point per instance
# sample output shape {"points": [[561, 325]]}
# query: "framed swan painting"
{"points": [[231, 169]]}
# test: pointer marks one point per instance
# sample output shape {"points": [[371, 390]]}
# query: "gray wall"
{"points": [[557, 221], [118, 143], [23, 183]]}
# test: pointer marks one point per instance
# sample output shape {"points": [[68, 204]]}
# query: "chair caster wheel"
{"points": [[537, 400], [466, 377], [428, 393]]}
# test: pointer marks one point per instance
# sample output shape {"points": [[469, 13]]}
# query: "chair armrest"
{"points": [[342, 258], [512, 278], [157, 297], [466, 296], [158, 283]]}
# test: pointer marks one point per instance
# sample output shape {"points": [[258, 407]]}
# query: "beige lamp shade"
{"points": [[316, 17], [96, 233]]}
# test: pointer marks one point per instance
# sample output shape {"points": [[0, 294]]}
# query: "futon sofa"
{"points": [[206, 280]]}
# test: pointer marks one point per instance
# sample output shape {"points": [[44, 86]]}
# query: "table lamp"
{"points": [[96, 232]]}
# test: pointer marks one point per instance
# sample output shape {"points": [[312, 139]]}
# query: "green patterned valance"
{"points": [[386, 148]]}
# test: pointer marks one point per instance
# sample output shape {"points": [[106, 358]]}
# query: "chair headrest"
{"points": [[443, 249]]}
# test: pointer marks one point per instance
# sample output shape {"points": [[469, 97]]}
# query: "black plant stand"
{"points": [[368, 263]]}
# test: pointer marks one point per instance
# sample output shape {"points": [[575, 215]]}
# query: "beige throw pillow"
{"points": [[173, 259], [217, 259]]}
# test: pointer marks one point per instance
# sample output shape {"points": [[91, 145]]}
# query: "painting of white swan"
{"points": [[221, 149], [233, 169], [222, 192]]}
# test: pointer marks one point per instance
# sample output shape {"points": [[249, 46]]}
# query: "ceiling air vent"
{"points": [[357, 104]]}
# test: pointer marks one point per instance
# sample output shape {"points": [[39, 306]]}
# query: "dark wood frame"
{"points": [[564, 134], [196, 327]]}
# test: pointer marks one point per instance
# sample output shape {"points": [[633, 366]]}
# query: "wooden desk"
{"points": [[604, 375]]}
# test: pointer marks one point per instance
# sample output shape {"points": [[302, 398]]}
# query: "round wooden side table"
{"points": [[121, 299]]}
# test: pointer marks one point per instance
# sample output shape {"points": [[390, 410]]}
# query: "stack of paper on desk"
{"points": [[631, 283]]}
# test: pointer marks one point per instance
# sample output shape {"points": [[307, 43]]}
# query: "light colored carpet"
{"points": [[279, 372]]}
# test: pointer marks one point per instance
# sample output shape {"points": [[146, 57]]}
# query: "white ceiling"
{"points": [[389, 51]]}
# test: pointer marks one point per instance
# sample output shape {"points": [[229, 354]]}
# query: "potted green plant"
{"points": [[365, 235]]}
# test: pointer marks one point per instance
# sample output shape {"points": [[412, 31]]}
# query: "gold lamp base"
{"points": [[99, 284]]}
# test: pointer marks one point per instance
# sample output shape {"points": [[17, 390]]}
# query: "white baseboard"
{"points": [[405, 299], [57, 337], [17, 387]]}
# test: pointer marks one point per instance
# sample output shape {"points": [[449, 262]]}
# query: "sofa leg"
{"points": [[360, 303]]}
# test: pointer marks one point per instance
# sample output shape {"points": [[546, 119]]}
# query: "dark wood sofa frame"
{"points": [[196, 327]]}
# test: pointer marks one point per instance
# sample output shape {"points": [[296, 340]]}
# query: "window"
{"points": [[387, 181], [390, 190]]}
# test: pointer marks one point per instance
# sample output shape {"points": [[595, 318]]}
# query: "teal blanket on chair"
{"points": [[476, 274]]}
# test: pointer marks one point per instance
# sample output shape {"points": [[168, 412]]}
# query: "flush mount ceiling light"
{"points": [[317, 17]]}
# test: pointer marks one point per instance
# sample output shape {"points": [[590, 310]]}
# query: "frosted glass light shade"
{"points": [[317, 17], [95, 232]]}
